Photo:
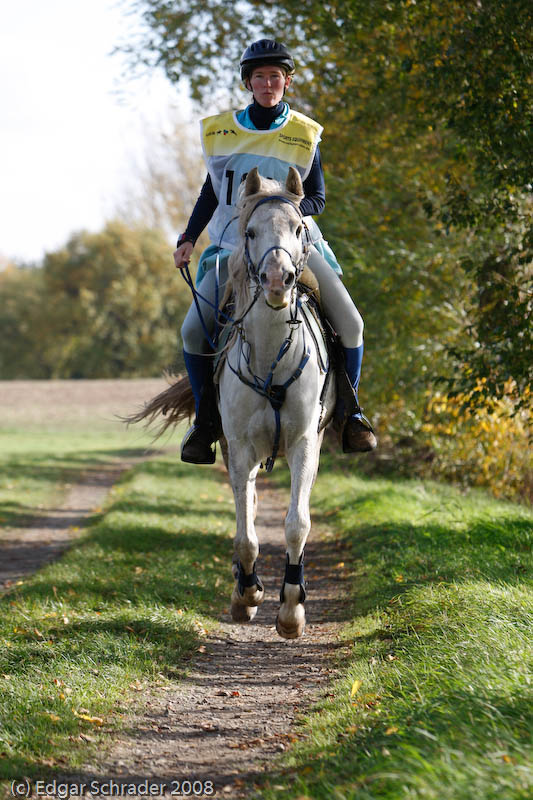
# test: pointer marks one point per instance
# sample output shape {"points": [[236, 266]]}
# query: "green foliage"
{"points": [[428, 153], [105, 305], [22, 323]]}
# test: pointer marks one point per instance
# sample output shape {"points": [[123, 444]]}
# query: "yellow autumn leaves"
{"points": [[487, 445], [356, 685]]}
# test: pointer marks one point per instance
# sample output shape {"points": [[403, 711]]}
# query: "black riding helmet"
{"points": [[265, 51]]}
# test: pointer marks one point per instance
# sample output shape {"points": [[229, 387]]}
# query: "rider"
{"points": [[267, 134]]}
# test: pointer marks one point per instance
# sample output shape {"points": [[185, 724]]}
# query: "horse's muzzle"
{"points": [[277, 285]]}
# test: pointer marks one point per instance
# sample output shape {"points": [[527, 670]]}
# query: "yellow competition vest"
{"points": [[232, 150]]}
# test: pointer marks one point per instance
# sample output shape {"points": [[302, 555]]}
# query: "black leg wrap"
{"points": [[246, 581], [294, 574]]}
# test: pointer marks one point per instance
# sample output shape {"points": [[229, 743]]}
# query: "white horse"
{"points": [[268, 263], [275, 396]]}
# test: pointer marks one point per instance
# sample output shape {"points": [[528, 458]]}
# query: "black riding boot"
{"points": [[197, 446]]}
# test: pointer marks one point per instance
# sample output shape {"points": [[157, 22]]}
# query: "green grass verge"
{"points": [[125, 607], [37, 466], [439, 650]]}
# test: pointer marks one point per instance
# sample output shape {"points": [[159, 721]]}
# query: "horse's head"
{"points": [[274, 235]]}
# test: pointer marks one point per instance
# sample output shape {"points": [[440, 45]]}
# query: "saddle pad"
{"points": [[316, 329], [224, 332]]}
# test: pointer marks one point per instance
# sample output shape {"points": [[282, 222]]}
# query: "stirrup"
{"points": [[362, 439], [198, 447]]}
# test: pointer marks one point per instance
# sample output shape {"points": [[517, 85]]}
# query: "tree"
{"points": [[430, 103], [106, 305], [23, 328]]}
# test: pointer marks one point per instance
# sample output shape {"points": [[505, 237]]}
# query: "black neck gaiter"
{"points": [[263, 117]]}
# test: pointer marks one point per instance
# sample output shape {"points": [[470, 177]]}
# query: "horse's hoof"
{"points": [[242, 613], [244, 607], [294, 628]]}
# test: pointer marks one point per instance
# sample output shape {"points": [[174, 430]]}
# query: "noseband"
{"points": [[253, 269]]}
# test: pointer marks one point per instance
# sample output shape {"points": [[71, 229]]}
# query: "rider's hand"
{"points": [[182, 255]]}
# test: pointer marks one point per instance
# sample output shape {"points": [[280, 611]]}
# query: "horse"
{"points": [[275, 395]]}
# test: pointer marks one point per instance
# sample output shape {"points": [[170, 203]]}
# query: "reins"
{"points": [[274, 393], [212, 340]]}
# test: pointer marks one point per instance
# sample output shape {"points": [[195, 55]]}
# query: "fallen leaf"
{"points": [[356, 685], [235, 694], [93, 720], [391, 730]]}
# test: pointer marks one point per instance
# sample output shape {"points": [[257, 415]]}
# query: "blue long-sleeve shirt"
{"points": [[312, 203]]}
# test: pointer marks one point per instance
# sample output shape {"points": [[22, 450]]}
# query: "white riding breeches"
{"points": [[338, 307]]}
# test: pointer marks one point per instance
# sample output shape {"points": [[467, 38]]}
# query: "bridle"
{"points": [[253, 269], [274, 393]]}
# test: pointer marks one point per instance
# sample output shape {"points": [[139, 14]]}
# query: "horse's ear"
{"points": [[293, 183], [253, 182]]}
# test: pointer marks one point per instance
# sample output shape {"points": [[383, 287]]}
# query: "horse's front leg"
{"points": [[290, 622], [248, 591]]}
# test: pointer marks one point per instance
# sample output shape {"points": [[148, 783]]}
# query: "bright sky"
{"points": [[70, 125]]}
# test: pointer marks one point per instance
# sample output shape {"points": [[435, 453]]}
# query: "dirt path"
{"points": [[58, 405], [25, 550], [234, 712]]}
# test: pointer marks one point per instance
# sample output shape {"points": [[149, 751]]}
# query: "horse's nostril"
{"points": [[289, 279], [263, 278]]}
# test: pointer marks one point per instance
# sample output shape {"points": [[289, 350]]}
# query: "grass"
{"points": [[37, 468], [434, 702], [126, 607], [54, 432], [435, 699]]}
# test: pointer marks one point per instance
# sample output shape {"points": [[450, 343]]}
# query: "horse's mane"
{"points": [[238, 282]]}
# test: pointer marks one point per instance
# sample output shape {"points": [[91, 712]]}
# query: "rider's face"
{"points": [[268, 85]]}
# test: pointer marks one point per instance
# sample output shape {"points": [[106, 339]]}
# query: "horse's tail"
{"points": [[175, 404]]}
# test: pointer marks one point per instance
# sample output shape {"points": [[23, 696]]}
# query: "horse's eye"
{"points": [[299, 231], [251, 233]]}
